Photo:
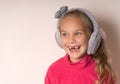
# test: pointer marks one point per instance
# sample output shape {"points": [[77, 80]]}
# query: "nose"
{"points": [[72, 39]]}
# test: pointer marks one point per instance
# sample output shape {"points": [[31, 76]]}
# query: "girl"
{"points": [[86, 61]]}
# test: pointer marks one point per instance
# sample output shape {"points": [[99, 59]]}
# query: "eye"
{"points": [[64, 34], [78, 33]]}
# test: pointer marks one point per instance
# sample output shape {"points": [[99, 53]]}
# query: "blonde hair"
{"points": [[103, 66]]}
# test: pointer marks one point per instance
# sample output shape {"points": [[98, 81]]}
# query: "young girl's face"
{"points": [[74, 37]]}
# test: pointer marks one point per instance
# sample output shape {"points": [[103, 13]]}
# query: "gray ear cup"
{"points": [[58, 38], [94, 42]]}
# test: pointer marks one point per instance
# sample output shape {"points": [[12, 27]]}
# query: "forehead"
{"points": [[72, 23]]}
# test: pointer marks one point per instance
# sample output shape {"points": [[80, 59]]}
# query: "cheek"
{"points": [[83, 40], [63, 41]]}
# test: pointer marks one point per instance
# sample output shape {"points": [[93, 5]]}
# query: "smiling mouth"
{"points": [[74, 48]]}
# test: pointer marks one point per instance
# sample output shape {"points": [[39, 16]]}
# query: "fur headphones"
{"points": [[95, 37]]}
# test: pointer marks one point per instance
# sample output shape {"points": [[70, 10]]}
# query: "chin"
{"points": [[77, 55]]}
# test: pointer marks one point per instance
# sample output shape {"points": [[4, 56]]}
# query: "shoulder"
{"points": [[57, 64], [53, 71]]}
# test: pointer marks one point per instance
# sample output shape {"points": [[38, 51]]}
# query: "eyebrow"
{"points": [[75, 30], [62, 31]]}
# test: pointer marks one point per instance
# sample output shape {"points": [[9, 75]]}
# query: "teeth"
{"points": [[76, 47], [70, 47]]}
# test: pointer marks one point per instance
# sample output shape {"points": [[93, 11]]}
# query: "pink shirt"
{"points": [[64, 72]]}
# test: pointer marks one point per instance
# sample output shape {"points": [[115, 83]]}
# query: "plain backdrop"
{"points": [[27, 43]]}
